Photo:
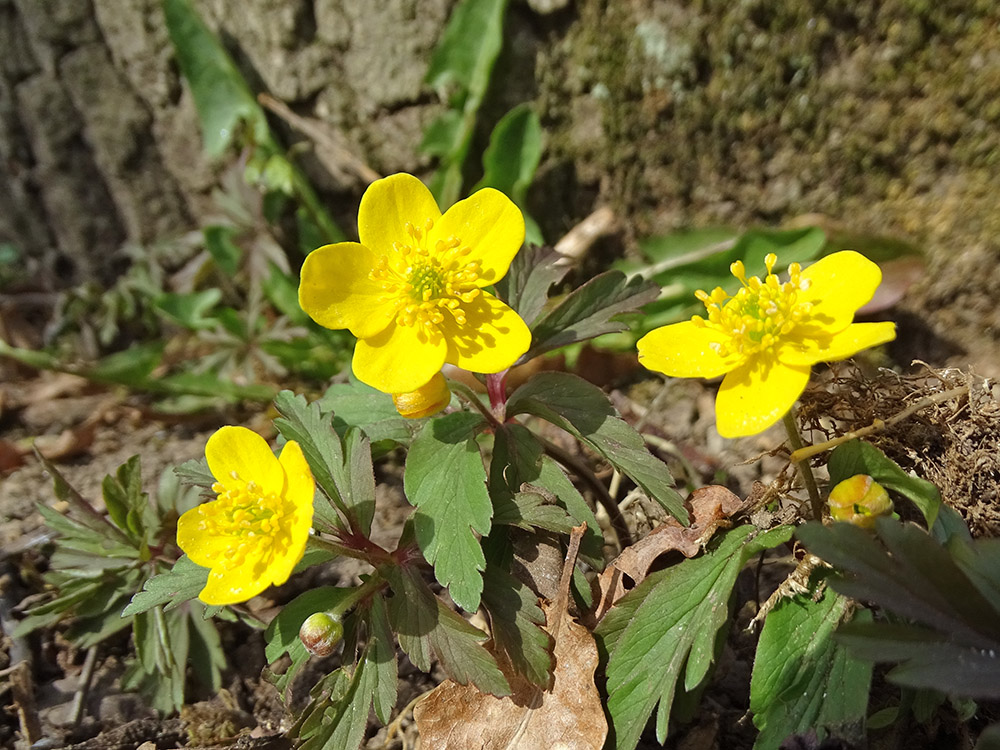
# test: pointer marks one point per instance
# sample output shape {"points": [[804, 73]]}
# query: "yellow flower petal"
{"points": [[853, 339], [203, 548], [684, 350], [388, 205], [490, 224], [399, 359], [756, 395], [492, 338], [337, 290], [231, 587], [237, 450], [838, 285]]}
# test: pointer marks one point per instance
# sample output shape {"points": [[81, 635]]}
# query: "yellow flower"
{"points": [[255, 532], [428, 399], [766, 337], [412, 289], [859, 500]]}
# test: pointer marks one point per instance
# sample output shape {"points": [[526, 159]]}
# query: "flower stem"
{"points": [[803, 466], [496, 387]]}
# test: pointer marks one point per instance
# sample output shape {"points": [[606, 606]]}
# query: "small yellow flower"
{"points": [[859, 500], [255, 532], [428, 399], [766, 338], [412, 289]]}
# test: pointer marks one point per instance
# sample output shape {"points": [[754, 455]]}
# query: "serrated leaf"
{"points": [[195, 472], [307, 425], [664, 630], [127, 504], [802, 680], [206, 655], [928, 658], [911, 575], [180, 584], [857, 457], [224, 102], [515, 620], [341, 703], [426, 628], [550, 502], [582, 409], [358, 405], [445, 479], [383, 656], [525, 286], [590, 310]]}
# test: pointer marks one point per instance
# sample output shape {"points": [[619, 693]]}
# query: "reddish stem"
{"points": [[496, 387]]}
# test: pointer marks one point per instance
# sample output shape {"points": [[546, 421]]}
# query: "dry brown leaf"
{"points": [[11, 457], [710, 508], [568, 716]]}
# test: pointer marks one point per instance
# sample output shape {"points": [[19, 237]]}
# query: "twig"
{"points": [[581, 237], [801, 454], [80, 697]]}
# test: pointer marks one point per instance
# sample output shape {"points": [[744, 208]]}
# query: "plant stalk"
{"points": [[805, 470]]}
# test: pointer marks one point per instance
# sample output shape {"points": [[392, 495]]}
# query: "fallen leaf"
{"points": [[567, 716], [710, 509], [11, 457]]}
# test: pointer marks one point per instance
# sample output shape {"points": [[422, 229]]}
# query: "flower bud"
{"points": [[428, 399], [321, 632], [859, 500]]}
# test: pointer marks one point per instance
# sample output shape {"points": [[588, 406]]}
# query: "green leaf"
{"points": [[312, 429], [928, 658], [383, 655], [582, 409], [857, 457], [206, 655], [802, 679], [909, 573], [181, 583], [589, 311], [462, 62], [445, 479], [358, 405], [128, 505], [359, 494], [955, 643], [282, 635], [525, 287], [664, 631], [130, 367], [341, 702], [549, 500], [515, 618], [189, 310], [512, 157], [224, 101], [426, 628], [224, 251]]}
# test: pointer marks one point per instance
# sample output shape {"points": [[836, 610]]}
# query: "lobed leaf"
{"points": [[665, 630], [358, 405], [802, 679], [590, 311], [582, 409], [445, 479], [426, 628], [516, 620], [180, 584], [525, 287]]}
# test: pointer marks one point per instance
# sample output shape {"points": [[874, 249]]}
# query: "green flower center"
{"points": [[255, 521], [759, 315], [426, 282]]}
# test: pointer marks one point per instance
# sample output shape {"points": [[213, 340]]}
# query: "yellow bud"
{"points": [[859, 500], [428, 399]]}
